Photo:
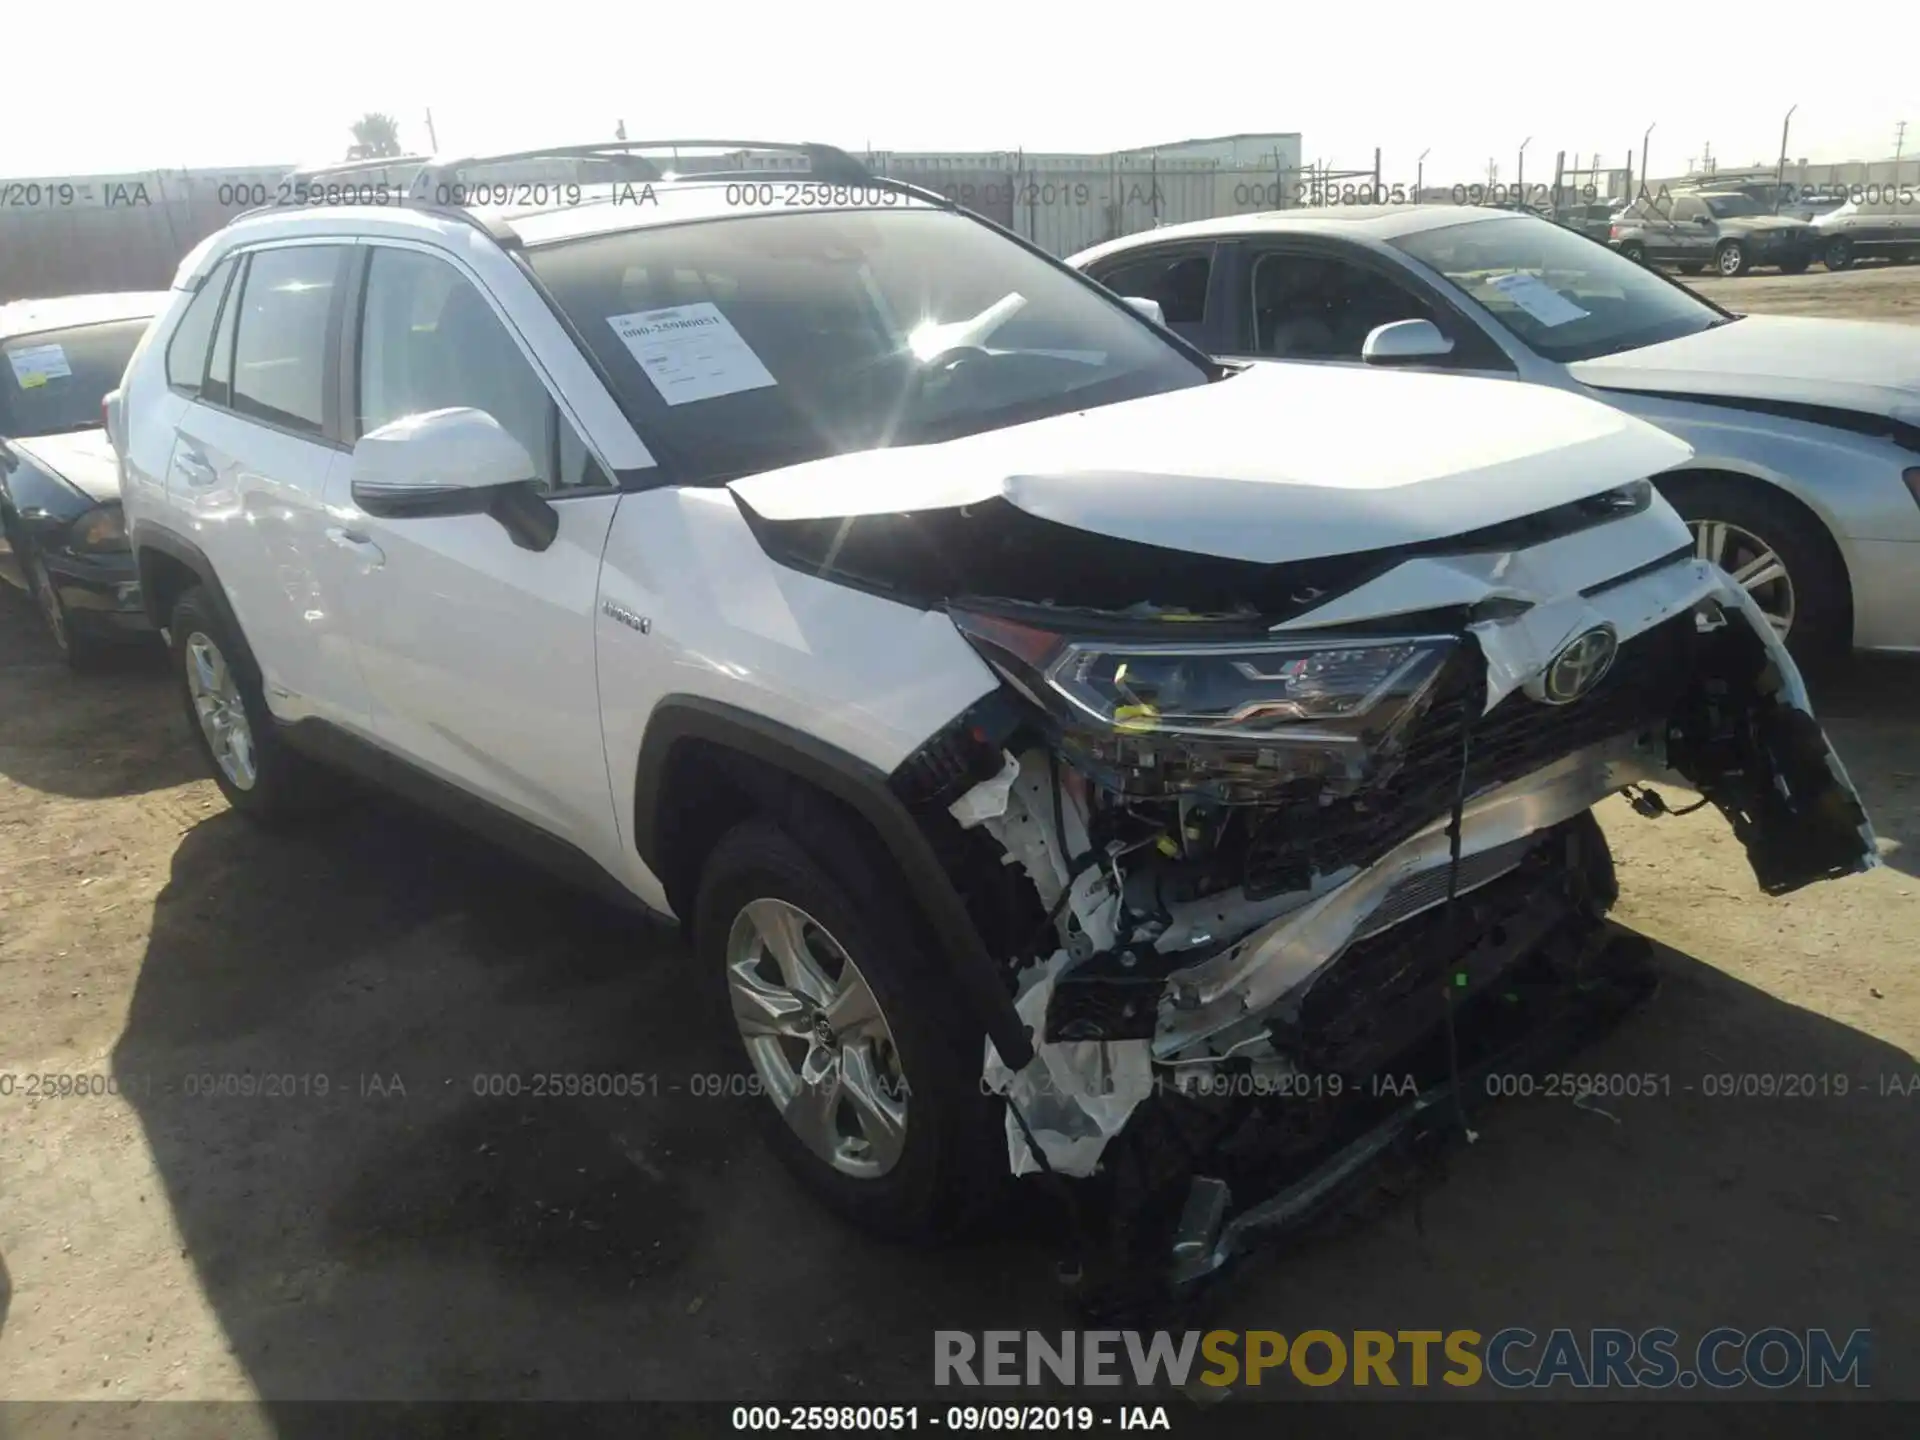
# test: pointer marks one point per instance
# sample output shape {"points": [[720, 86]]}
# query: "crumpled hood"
{"points": [[1861, 365], [1282, 462], [84, 459]]}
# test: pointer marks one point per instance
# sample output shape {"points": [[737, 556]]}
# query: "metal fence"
{"points": [[74, 235], [129, 232]]}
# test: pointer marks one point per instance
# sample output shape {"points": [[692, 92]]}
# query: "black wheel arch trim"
{"points": [[148, 537], [865, 789]]}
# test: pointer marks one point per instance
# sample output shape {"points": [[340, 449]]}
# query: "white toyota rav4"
{"points": [[1068, 754]]}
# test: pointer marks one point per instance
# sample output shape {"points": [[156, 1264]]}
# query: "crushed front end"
{"points": [[1273, 893]]}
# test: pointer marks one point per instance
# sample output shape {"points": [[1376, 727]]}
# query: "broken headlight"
{"points": [[1343, 692]]}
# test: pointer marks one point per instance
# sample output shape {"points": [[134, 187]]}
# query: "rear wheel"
{"points": [[220, 684], [1776, 554], [1838, 255], [866, 1067], [1634, 251]]}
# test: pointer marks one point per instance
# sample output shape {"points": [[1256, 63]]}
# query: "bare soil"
{"points": [[405, 1235]]}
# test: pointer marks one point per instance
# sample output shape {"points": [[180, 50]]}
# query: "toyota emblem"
{"points": [[1581, 666]]}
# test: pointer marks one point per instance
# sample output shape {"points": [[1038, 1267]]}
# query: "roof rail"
{"points": [[826, 162]]}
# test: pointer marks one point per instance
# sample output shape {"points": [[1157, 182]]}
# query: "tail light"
{"points": [[1613, 232]]}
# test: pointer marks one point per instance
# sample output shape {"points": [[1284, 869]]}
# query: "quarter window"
{"points": [[280, 344], [430, 341], [187, 351]]}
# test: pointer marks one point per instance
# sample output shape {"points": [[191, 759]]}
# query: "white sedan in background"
{"points": [[1805, 483]]}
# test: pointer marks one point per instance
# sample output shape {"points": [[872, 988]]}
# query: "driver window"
{"points": [[1317, 307], [429, 341]]}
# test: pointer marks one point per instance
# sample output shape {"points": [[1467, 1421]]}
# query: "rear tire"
{"points": [[1635, 252], [1839, 255], [1822, 598], [261, 776], [951, 1167]]}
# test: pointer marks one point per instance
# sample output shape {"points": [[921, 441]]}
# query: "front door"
{"points": [[478, 654]]}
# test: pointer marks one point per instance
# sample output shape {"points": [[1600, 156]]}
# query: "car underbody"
{"points": [[1251, 980]]}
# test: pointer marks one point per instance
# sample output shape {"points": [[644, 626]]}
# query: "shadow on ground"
{"points": [[135, 731], [408, 1217], [1871, 708]]}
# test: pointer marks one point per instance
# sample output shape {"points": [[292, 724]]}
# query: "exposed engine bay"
{"points": [[1240, 872]]}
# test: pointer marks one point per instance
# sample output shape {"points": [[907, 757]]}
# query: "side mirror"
{"points": [[1405, 340], [457, 461], [1703, 220], [1149, 308]]}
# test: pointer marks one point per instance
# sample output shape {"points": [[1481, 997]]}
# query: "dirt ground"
{"points": [[402, 1236]]}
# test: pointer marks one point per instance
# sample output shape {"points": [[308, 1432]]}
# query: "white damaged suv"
{"points": [[1067, 753]]}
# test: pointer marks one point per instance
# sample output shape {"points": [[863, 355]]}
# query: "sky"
{"points": [[251, 84]]}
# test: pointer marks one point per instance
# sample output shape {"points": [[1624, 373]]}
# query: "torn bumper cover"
{"points": [[1333, 960]]}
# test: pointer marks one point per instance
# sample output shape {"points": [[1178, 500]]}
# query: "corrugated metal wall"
{"points": [[129, 232], [75, 235]]}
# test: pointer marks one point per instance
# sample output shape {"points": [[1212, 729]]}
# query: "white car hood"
{"points": [[1859, 365], [84, 459], [1283, 462]]}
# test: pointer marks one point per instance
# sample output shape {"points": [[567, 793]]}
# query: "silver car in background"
{"points": [[1805, 483], [1883, 224]]}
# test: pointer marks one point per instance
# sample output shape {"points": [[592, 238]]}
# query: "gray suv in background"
{"points": [[1731, 233]]}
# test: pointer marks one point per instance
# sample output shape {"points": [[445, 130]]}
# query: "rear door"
{"points": [[253, 454], [478, 654]]}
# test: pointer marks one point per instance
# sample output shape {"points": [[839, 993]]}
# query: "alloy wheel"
{"points": [[1732, 258], [817, 1037], [222, 714], [1753, 564]]}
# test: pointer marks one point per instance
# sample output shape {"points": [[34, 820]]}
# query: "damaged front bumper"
{"points": [[1261, 994]]}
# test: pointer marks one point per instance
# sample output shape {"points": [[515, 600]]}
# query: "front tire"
{"points": [[220, 684], [1839, 255], [1779, 555], [1731, 259], [864, 1068]]}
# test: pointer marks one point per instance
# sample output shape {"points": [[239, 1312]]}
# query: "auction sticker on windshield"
{"points": [[1537, 298], [691, 352], [35, 365]]}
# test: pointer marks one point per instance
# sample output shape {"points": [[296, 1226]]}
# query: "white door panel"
{"points": [[478, 657], [254, 501]]}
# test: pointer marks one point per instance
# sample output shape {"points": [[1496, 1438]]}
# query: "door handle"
{"points": [[358, 544]]}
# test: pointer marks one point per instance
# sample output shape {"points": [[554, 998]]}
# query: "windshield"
{"points": [[1726, 207], [54, 380], [1567, 297], [755, 342]]}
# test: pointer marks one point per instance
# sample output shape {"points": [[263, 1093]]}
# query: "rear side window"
{"points": [[280, 353], [187, 350]]}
